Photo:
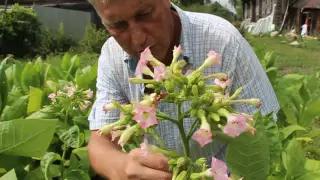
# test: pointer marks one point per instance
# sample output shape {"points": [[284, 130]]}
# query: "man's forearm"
{"points": [[106, 157]]}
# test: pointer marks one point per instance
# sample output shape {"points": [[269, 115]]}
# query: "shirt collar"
{"points": [[185, 41]]}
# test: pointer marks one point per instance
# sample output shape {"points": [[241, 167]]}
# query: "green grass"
{"points": [[304, 59]]}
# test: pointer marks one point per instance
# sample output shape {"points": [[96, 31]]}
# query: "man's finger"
{"points": [[153, 174], [152, 160]]}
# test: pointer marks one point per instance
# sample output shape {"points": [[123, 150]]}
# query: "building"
{"points": [[289, 14], [73, 14]]}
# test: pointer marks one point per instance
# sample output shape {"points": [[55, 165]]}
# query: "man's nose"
{"points": [[138, 36]]}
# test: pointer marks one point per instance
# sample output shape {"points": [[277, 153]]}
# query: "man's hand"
{"points": [[149, 166], [107, 159]]}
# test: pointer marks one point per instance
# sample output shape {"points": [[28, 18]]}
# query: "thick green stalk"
{"points": [[183, 136], [192, 128]]}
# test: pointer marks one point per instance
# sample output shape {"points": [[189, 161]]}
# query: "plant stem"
{"points": [[191, 130], [64, 145], [165, 117], [185, 141], [221, 136]]}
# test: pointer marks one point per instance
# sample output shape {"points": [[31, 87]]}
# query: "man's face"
{"points": [[137, 24]]}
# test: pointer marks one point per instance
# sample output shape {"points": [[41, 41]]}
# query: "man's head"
{"points": [[137, 24]]}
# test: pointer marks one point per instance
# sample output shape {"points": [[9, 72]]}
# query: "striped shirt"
{"points": [[200, 33]]}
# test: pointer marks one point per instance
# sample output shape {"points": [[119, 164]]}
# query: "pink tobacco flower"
{"points": [[177, 51], [145, 116], [203, 135], [146, 55], [89, 93], [213, 59], [71, 90], [59, 93], [236, 125], [219, 169], [85, 106], [160, 72], [52, 96], [141, 65], [222, 83]]}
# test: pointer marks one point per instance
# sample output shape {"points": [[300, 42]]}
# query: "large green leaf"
{"points": [[314, 132], [35, 100], [293, 159], [29, 138], [275, 145], [310, 176], [47, 112], [75, 63], [71, 137], [8, 162], [11, 175], [17, 71], [286, 86], [37, 174], [77, 174], [304, 94], [311, 111], [66, 62], [3, 86], [46, 162], [312, 165], [287, 131], [29, 77], [80, 159], [10, 74], [248, 155], [17, 110], [40, 68]]}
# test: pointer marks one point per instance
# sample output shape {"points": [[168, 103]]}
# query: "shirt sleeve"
{"points": [[107, 90], [250, 75]]}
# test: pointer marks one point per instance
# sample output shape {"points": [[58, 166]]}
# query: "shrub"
{"points": [[93, 39], [214, 8], [19, 31], [55, 42]]}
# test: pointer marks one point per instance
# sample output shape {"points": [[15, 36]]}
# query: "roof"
{"points": [[307, 4]]}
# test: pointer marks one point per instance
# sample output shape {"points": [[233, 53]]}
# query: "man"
{"points": [[160, 25]]}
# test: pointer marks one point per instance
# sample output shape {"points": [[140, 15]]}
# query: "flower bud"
{"points": [[195, 90], [215, 116], [109, 107], [181, 161], [150, 86], [213, 59], [195, 176], [169, 86], [254, 101], [235, 94], [126, 135], [172, 161], [223, 112], [140, 81], [182, 176], [199, 162], [107, 128], [216, 76], [177, 67], [176, 52]]}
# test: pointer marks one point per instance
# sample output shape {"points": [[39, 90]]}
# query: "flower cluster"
{"points": [[210, 106], [78, 98]]}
